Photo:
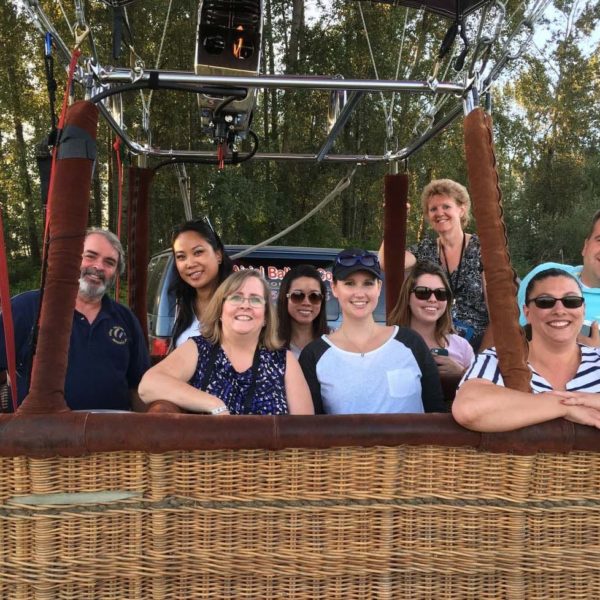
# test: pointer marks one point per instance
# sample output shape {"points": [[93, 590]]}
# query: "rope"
{"points": [[342, 184], [364, 24], [399, 58], [62, 9], [160, 48], [117, 149]]}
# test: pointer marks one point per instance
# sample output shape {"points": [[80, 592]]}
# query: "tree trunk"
{"points": [[32, 233]]}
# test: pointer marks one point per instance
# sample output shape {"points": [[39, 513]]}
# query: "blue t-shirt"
{"points": [[107, 358]]}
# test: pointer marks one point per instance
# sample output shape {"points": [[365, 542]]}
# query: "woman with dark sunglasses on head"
{"points": [[200, 265], [424, 306], [565, 375], [364, 367], [301, 309], [237, 365]]}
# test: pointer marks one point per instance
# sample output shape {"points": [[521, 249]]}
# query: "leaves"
{"points": [[546, 115]]}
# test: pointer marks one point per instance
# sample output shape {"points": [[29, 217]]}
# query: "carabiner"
{"points": [[80, 37], [48, 44]]}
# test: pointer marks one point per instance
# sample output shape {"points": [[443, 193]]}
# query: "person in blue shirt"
{"points": [[107, 350], [588, 276]]}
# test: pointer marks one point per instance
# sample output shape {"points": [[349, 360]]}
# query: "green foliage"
{"points": [[546, 116]]}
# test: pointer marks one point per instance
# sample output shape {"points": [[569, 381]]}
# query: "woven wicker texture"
{"points": [[344, 523]]}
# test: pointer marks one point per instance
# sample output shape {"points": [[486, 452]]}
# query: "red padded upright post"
{"points": [[394, 236], [500, 277], [69, 204], [138, 241]]}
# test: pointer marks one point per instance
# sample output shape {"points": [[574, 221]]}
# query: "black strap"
{"points": [[212, 359], [76, 142], [454, 289]]}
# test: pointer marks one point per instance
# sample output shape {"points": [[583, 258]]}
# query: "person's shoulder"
{"points": [[458, 341], [314, 350], [488, 352], [28, 298], [407, 336], [590, 354], [427, 243]]}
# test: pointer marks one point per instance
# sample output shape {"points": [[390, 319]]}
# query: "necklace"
{"points": [[454, 286], [360, 350]]}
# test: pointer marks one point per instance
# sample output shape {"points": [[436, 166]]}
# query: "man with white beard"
{"points": [[107, 350]]}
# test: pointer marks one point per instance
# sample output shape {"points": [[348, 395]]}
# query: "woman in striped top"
{"points": [[565, 375]]}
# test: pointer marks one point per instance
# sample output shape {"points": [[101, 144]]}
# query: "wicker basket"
{"points": [[351, 522]]}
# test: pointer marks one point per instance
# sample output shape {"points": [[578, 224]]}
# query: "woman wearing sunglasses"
{"points": [[301, 309], [364, 367], [563, 372], [237, 365], [200, 265], [424, 306]]}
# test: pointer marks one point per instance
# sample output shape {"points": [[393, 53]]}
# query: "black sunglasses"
{"points": [[349, 260], [549, 301], [424, 293], [297, 297]]}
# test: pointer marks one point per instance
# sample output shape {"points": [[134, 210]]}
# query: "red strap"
{"points": [[9, 331], [117, 149], [221, 156]]}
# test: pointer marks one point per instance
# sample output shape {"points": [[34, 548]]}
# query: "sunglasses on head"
{"points": [[550, 301], [297, 297], [349, 260], [424, 293]]}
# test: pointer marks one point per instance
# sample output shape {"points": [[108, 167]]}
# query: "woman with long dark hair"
{"points": [[301, 311], [200, 265]]}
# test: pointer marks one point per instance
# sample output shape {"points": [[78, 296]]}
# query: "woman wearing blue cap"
{"points": [[364, 367]]}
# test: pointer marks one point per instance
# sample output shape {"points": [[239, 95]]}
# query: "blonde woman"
{"points": [[447, 208], [237, 365]]}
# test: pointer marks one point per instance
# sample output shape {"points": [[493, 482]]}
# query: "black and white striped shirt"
{"points": [[587, 378]]}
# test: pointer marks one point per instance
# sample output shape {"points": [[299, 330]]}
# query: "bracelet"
{"points": [[218, 410]]}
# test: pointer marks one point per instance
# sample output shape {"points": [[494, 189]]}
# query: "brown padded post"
{"points": [[69, 202], [394, 236], [500, 277], [138, 242]]}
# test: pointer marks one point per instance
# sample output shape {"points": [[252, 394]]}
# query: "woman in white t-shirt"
{"points": [[424, 305], [364, 367]]}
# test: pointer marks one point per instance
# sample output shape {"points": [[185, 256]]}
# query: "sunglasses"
{"points": [[297, 297], [254, 301], [424, 293], [349, 260], [546, 302]]}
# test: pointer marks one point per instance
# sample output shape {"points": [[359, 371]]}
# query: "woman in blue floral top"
{"points": [[237, 365]]}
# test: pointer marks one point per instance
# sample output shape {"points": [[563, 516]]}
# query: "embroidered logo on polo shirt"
{"points": [[117, 335]]}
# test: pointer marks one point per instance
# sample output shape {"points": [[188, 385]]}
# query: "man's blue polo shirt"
{"points": [[107, 358]]}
